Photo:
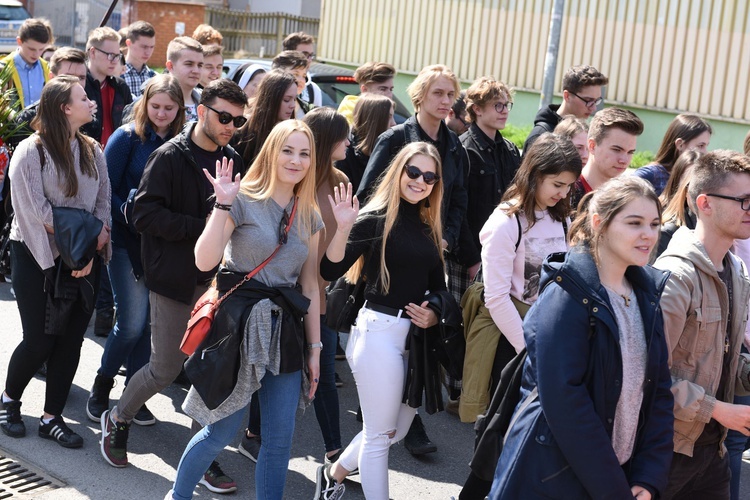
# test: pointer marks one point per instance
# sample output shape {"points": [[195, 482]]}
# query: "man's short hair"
{"points": [[206, 34], [99, 35], [36, 29], [212, 50], [712, 170], [177, 45], [223, 88], [289, 60], [139, 29], [66, 54], [123, 32], [294, 39], [578, 77], [610, 118], [374, 72]]}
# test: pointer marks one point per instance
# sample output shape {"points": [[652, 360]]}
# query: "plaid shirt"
{"points": [[135, 78]]}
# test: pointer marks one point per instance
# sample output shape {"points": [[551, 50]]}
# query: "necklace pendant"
{"points": [[626, 299]]}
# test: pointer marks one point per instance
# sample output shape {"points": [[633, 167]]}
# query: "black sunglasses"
{"points": [[413, 172], [225, 117], [283, 234]]}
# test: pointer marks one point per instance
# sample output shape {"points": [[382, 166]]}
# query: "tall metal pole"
{"points": [[108, 13], [553, 46]]}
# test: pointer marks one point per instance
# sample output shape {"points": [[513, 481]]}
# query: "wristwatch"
{"points": [[316, 345]]}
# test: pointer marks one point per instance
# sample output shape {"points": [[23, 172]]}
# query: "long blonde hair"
{"points": [[387, 198], [260, 180]]}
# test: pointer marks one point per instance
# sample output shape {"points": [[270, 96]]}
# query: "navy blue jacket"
{"points": [[560, 445]]}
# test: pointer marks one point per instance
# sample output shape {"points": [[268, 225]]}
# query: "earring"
{"points": [[427, 202]]}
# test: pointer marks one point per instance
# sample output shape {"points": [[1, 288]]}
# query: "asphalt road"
{"points": [[155, 451]]}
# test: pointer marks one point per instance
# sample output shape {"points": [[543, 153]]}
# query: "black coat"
{"points": [[492, 165], [122, 98], [443, 344], [170, 211], [545, 121]]}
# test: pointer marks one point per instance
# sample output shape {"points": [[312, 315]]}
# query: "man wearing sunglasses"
{"points": [[582, 94], [110, 92], [172, 205]]}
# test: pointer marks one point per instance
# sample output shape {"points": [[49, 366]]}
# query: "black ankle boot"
{"points": [[98, 401]]}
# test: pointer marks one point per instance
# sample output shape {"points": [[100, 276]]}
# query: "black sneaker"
{"points": [[416, 440], [57, 430], [98, 401], [330, 460], [250, 446], [217, 481], [339, 382], [144, 417], [11, 422], [326, 487], [114, 444]]}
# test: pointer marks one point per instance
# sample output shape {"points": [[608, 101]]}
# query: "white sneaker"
{"points": [[746, 455]]}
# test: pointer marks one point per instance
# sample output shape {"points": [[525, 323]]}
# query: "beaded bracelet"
{"points": [[221, 206]]}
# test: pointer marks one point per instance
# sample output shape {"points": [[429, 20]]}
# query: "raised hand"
{"points": [[345, 206], [225, 188]]}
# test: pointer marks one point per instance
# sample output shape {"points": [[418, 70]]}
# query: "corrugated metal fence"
{"points": [[257, 33], [673, 55]]}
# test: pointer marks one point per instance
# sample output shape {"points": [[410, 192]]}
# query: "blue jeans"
{"points": [[736, 443], [279, 395], [131, 336], [326, 400]]}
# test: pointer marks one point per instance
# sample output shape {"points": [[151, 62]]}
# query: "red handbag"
{"points": [[202, 315]]}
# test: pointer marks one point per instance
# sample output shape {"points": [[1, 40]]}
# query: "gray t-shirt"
{"points": [[633, 349], [256, 235]]}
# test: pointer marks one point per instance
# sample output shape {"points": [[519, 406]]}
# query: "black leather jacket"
{"points": [[492, 166], [443, 344]]}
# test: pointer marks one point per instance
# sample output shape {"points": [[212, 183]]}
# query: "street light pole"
{"points": [[108, 13], [553, 47]]}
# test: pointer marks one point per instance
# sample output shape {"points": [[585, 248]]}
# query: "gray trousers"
{"points": [[168, 321]]}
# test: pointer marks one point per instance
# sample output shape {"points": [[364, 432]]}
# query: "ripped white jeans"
{"points": [[377, 356]]}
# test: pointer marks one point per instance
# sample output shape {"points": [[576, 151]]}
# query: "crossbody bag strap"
{"points": [[260, 266]]}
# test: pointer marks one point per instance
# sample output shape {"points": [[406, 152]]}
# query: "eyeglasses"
{"points": [[413, 172], [111, 56], [309, 55], [463, 122], [225, 118], [588, 101], [744, 202], [502, 106], [283, 235]]}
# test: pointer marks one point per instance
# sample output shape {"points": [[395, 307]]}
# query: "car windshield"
{"points": [[12, 13]]}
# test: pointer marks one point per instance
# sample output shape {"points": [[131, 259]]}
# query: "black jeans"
{"points": [[61, 352], [704, 476]]}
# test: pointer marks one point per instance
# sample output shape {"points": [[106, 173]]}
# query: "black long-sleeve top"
{"points": [[411, 257]]}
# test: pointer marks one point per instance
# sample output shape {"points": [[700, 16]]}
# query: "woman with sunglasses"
{"points": [[405, 207], [274, 101], [157, 117], [373, 115], [272, 205], [595, 417]]}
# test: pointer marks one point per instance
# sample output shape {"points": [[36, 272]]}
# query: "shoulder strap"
{"points": [[520, 231], [40, 148]]}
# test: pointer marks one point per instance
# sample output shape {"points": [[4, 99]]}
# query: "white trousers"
{"points": [[378, 358]]}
